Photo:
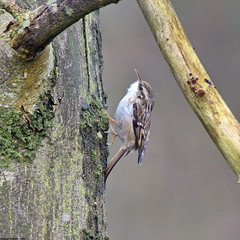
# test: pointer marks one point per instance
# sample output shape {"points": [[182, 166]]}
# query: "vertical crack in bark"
{"points": [[99, 51], [86, 53]]}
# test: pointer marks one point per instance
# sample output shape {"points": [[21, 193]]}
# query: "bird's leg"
{"points": [[112, 121], [114, 135]]}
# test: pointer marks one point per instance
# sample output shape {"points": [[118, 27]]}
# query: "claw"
{"points": [[110, 130], [114, 137], [112, 120]]}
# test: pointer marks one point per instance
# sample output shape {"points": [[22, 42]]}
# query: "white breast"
{"points": [[124, 115]]}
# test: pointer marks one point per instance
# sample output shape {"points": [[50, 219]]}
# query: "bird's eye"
{"points": [[140, 87]]}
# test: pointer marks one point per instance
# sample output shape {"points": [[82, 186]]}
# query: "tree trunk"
{"points": [[52, 141]]}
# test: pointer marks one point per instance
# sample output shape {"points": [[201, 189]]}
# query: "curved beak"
{"points": [[138, 76]]}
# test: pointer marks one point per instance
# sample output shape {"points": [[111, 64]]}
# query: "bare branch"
{"points": [[46, 22], [193, 79]]}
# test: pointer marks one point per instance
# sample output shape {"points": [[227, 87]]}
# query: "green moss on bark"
{"points": [[93, 127], [93, 118], [87, 235], [93, 124], [22, 133]]}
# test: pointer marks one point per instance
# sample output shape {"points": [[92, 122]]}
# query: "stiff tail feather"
{"points": [[113, 162]]}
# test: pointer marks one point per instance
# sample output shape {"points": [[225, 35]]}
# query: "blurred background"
{"points": [[184, 190]]}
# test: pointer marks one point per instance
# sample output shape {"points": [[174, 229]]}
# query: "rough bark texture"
{"points": [[32, 31], [52, 140], [193, 79]]}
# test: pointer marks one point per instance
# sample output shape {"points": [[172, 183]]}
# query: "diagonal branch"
{"points": [[43, 24], [193, 79]]}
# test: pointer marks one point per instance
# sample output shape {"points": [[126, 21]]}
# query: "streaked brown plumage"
{"points": [[133, 117]]}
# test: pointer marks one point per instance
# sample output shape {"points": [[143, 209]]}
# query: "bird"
{"points": [[131, 122]]}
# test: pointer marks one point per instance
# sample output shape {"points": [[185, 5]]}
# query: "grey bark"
{"points": [[52, 145]]}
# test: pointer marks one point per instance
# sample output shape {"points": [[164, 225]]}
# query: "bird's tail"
{"points": [[113, 162]]}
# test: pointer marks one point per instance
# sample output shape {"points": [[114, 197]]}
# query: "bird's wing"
{"points": [[141, 124]]}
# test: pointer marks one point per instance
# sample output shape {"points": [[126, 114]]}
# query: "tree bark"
{"points": [[52, 141], [33, 30]]}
